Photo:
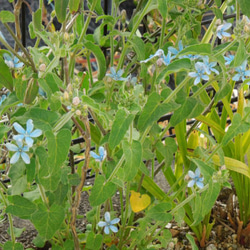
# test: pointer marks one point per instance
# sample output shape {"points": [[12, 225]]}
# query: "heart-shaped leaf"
{"points": [[139, 202]]}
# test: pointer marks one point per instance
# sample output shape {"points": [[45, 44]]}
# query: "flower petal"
{"points": [[197, 80], [18, 137], [113, 228], [107, 217], [106, 230], [102, 224], [11, 147], [15, 158], [95, 156], [29, 126], [191, 183], [191, 174], [25, 158], [19, 128], [197, 172], [36, 133], [199, 184], [29, 141], [115, 221]]}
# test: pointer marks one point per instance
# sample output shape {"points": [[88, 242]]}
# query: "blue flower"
{"points": [[12, 61], [117, 76], [167, 59], [20, 150], [200, 73], [221, 30], [191, 57], [108, 225], [26, 134], [242, 72], [102, 154], [228, 59], [209, 66], [196, 179], [158, 53], [174, 51], [3, 97]]}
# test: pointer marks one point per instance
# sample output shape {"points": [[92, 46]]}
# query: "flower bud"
{"points": [[66, 95], [76, 101], [66, 36], [42, 67], [78, 112]]}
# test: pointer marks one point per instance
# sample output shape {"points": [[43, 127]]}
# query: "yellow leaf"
{"points": [[139, 202]]}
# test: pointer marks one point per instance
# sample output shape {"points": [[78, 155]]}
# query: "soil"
{"points": [[223, 235]]}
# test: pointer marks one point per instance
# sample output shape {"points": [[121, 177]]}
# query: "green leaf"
{"points": [[43, 119], [133, 156], [31, 91], [139, 47], [163, 8], [9, 245], [18, 178], [218, 13], [101, 191], [160, 212], [244, 6], [101, 62], [94, 241], [61, 193], [6, 79], [153, 110], [191, 108], [119, 127], [183, 64], [48, 220], [192, 242], [58, 147], [73, 5], [61, 9], [37, 20], [20, 207], [238, 126], [3, 130], [197, 49], [7, 17], [241, 54]]}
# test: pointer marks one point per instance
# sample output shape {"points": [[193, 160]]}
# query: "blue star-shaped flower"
{"points": [[174, 51], [26, 134], [102, 154], [159, 53], [108, 225], [12, 61], [196, 179], [200, 73], [20, 150], [242, 72], [209, 66], [117, 76], [221, 30], [228, 59]]}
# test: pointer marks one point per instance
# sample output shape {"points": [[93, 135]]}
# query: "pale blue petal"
{"points": [[236, 77], [226, 26], [95, 156], [26, 148], [101, 151], [102, 223], [173, 50], [205, 77], [29, 141], [191, 174], [226, 34], [19, 128], [106, 230], [192, 74], [11, 147], [29, 126], [191, 183], [36, 133], [115, 221], [197, 172], [112, 70], [247, 73], [18, 137], [199, 184], [19, 143], [219, 35], [18, 65], [107, 217], [113, 228], [120, 72], [197, 80], [215, 71], [15, 158], [25, 158]]}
